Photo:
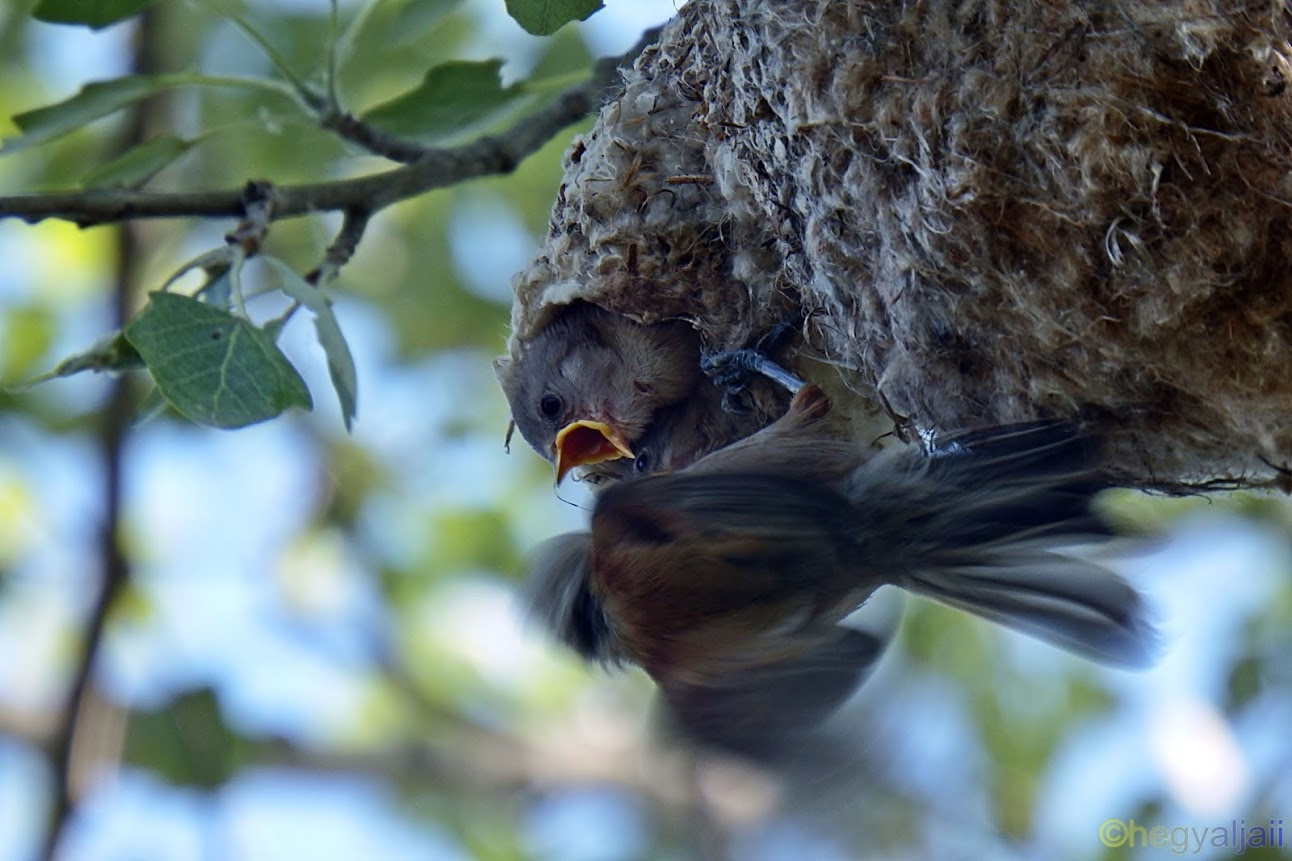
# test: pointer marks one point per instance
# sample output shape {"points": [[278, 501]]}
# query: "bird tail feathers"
{"points": [[1069, 602]]}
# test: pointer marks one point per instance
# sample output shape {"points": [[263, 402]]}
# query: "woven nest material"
{"points": [[989, 210]]}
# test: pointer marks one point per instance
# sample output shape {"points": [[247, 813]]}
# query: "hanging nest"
{"points": [[989, 211]]}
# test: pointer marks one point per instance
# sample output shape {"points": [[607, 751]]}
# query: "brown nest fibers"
{"points": [[987, 210]]}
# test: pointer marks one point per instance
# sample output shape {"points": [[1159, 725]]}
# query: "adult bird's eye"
{"points": [[550, 406]]}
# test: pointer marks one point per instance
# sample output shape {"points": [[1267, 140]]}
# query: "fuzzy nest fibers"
{"points": [[989, 211]]}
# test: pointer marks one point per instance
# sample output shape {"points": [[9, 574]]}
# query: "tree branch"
{"points": [[72, 757], [117, 419], [429, 169], [349, 127], [342, 248]]}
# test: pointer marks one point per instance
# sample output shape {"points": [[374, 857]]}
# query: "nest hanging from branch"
{"points": [[989, 210]]}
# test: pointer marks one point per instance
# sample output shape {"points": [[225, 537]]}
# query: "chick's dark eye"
{"points": [[641, 465], [550, 406]]}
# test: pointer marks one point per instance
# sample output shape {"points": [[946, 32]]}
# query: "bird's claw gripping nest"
{"points": [[730, 370]]}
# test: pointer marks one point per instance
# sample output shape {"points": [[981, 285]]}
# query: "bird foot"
{"points": [[730, 370], [1282, 474]]}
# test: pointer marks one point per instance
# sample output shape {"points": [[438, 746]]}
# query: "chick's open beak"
{"points": [[586, 441]]}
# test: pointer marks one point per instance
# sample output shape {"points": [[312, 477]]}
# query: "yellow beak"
{"points": [[585, 441]]}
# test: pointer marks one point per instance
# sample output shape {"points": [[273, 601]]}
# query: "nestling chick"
{"points": [[589, 386], [741, 566]]}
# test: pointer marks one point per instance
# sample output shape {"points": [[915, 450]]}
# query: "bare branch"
{"points": [[70, 752], [342, 248], [118, 416], [356, 131]]}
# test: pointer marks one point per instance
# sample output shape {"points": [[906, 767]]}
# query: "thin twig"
{"points": [[342, 248], [435, 168], [307, 95], [333, 91], [350, 128]]}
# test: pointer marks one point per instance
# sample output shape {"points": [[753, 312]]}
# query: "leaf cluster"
{"points": [[210, 360]]}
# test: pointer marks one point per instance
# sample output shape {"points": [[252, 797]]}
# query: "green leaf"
{"points": [[453, 100], [96, 99], [387, 24], [340, 364], [138, 164], [151, 405], [187, 742], [545, 17], [214, 368], [92, 13]]}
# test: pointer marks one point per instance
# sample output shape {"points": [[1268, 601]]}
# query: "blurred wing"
{"points": [[759, 709], [1037, 440], [994, 486], [722, 507], [764, 547], [808, 443], [1033, 478], [557, 595], [976, 523]]}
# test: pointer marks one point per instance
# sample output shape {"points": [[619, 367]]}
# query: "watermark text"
{"points": [[1237, 836]]}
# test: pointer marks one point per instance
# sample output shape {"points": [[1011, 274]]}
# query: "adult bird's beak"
{"points": [[586, 441]]}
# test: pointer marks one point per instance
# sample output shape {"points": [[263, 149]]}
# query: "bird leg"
{"points": [[731, 369], [1282, 474]]}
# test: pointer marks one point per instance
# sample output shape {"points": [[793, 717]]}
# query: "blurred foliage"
{"points": [[270, 113], [544, 17], [399, 545], [97, 14], [187, 743]]}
